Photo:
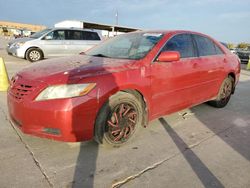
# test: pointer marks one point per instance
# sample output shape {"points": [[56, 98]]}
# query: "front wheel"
{"points": [[225, 93], [34, 54], [119, 119]]}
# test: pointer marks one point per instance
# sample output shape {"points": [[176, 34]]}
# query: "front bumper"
{"points": [[18, 52], [244, 60], [71, 119]]}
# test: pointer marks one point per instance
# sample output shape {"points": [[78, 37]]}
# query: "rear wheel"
{"points": [[34, 54], [224, 95], [119, 119]]}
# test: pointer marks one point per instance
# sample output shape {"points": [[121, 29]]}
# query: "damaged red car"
{"points": [[112, 90]]}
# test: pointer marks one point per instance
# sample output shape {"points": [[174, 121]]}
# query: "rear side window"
{"points": [[74, 35], [87, 35], [183, 44], [206, 47], [217, 49], [82, 35]]}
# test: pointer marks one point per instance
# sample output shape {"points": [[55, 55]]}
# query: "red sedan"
{"points": [[117, 87]]}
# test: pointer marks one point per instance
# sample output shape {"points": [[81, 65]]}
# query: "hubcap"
{"points": [[34, 55], [121, 123]]}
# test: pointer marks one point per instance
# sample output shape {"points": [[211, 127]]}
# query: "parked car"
{"points": [[233, 50], [120, 85], [244, 55], [53, 43]]}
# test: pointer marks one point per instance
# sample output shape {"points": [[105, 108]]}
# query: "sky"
{"points": [[224, 20]]}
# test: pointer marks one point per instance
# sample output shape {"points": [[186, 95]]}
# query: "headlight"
{"points": [[19, 44], [65, 91]]}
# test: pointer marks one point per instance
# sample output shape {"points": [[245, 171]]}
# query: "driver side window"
{"points": [[55, 35], [182, 43]]}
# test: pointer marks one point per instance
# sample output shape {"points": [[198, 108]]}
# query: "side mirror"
{"points": [[169, 56], [48, 37]]}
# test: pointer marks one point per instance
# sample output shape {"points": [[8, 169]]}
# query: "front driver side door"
{"points": [[53, 44], [173, 84]]}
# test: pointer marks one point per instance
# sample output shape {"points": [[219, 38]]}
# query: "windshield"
{"points": [[127, 46], [40, 33]]}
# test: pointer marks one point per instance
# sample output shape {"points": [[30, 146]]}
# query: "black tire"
{"points": [[224, 94], [34, 54], [119, 119]]}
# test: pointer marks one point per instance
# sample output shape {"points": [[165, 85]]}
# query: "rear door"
{"points": [[211, 63], [90, 39], [174, 85], [80, 41]]}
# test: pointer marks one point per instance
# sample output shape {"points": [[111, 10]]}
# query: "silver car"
{"points": [[53, 43]]}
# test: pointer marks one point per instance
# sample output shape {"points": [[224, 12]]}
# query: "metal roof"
{"points": [[93, 25]]}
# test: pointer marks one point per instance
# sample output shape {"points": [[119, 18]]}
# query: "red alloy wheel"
{"points": [[121, 123]]}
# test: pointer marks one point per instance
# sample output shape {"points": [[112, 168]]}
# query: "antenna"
{"points": [[116, 17]]}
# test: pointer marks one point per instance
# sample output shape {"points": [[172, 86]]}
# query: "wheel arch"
{"points": [[143, 100], [134, 91], [138, 93], [36, 47], [232, 74]]}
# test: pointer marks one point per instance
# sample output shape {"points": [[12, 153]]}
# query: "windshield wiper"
{"points": [[100, 55]]}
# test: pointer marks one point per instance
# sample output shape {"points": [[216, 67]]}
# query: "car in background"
{"points": [[244, 55], [119, 85], [234, 50], [53, 42]]}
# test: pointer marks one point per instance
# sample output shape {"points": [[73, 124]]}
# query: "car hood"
{"points": [[74, 68], [24, 39]]}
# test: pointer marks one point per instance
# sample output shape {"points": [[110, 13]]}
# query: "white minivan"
{"points": [[53, 42]]}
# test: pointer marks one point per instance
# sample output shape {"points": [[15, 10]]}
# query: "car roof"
{"points": [[72, 28], [171, 32], [175, 32]]}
